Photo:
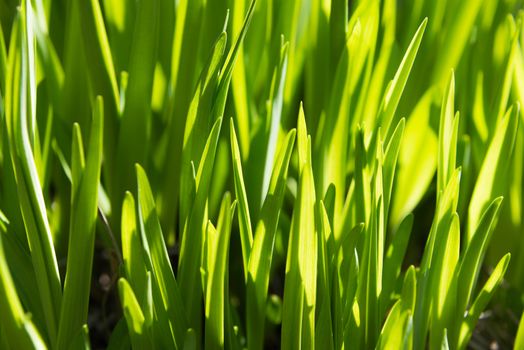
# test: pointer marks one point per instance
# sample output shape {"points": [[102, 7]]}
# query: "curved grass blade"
{"points": [[32, 205]]}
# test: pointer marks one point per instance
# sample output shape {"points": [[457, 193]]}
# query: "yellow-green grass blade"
{"points": [[261, 255], [217, 298], [338, 118], [136, 322], [418, 155], [239, 84], [398, 326], [393, 93], [482, 300], [448, 128], [469, 267], [198, 124], [298, 323], [244, 219], [519, 338], [167, 299], [227, 69], [444, 213], [393, 261], [324, 326], [193, 236], [493, 175], [266, 135], [442, 284], [135, 266]]}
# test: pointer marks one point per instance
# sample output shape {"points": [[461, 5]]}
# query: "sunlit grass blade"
{"points": [[266, 136], [324, 326], [298, 323], [482, 300], [394, 91], [193, 236], [393, 260], [418, 155], [132, 252], [136, 322], [217, 300], [398, 327], [32, 205], [198, 125], [244, 219], [262, 252], [156, 251], [493, 175], [448, 128]]}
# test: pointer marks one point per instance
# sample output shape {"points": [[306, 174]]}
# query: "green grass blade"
{"points": [[14, 321], [133, 141], [193, 237], [244, 220], [217, 300], [470, 264], [443, 287], [136, 322], [482, 301], [77, 283], [519, 338], [493, 175], [447, 143], [119, 339], [324, 327], [132, 250], [197, 124], [393, 260], [394, 91], [170, 300], [298, 323], [32, 205], [266, 137], [263, 246], [396, 332], [101, 74], [390, 163]]}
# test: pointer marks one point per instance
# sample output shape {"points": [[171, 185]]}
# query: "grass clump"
{"points": [[259, 174]]}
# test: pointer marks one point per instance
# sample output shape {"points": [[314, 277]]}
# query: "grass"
{"points": [[258, 174]]}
